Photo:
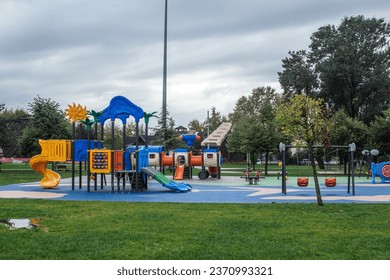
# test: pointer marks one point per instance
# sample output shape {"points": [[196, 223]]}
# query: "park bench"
{"points": [[62, 167]]}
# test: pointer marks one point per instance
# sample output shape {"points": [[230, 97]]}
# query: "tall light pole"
{"points": [[164, 101]]}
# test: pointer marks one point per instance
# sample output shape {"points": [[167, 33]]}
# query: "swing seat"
{"points": [[330, 182], [303, 181]]}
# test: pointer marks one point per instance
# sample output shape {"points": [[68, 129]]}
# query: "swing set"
{"points": [[303, 181]]}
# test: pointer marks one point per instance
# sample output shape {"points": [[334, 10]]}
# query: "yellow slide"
{"points": [[50, 178], [52, 150]]}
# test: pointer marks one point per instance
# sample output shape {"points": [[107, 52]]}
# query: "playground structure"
{"points": [[382, 170], [182, 161], [330, 181], [52, 150], [133, 164], [58, 151]]}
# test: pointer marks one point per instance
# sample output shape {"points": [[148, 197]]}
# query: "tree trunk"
{"points": [[320, 160], [315, 175], [266, 163], [253, 161]]}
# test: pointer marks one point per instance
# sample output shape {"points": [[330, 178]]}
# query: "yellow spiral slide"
{"points": [[52, 150]]}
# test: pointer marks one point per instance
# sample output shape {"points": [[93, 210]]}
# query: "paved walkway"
{"points": [[227, 190]]}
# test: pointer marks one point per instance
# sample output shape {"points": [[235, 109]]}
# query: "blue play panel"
{"points": [[225, 190]]}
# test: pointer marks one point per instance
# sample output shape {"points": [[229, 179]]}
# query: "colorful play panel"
{"points": [[382, 170]]}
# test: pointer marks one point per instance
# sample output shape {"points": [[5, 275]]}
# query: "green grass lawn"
{"points": [[8, 177], [117, 230], [12, 173]]}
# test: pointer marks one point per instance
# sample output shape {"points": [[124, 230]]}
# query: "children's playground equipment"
{"points": [[329, 182], [215, 139], [58, 151], [183, 160], [382, 170], [367, 160], [302, 181], [133, 163], [52, 150], [99, 161], [170, 184]]}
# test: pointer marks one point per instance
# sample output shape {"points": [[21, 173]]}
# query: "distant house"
{"points": [[181, 130]]}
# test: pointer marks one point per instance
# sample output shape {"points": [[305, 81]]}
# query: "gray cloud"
{"points": [[91, 50]]}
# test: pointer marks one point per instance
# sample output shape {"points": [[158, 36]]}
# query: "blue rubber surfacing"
{"points": [[226, 190]]}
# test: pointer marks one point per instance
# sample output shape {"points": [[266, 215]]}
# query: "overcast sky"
{"points": [[88, 51]]}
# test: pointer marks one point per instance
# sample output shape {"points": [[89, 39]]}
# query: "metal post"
{"points": [[164, 105], [353, 174], [351, 169], [112, 153], [284, 172], [349, 172], [123, 156], [102, 139], [146, 135], [208, 128], [80, 174], [136, 154], [219, 165], [95, 142], [282, 149], [353, 149], [80, 165], [73, 151], [88, 157]]}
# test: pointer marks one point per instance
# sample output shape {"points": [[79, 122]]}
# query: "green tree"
{"points": [[215, 119], [118, 135], [167, 137], [172, 139], [162, 130], [130, 130], [298, 75], [353, 64], [196, 125], [12, 124], [344, 130], [254, 129], [247, 106], [47, 122], [380, 133], [302, 119]]}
